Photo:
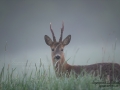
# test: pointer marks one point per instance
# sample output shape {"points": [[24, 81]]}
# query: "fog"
{"points": [[94, 27]]}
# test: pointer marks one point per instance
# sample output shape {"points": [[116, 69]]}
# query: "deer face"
{"points": [[57, 48]]}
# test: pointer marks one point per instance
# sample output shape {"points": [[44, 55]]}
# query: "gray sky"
{"points": [[93, 24]]}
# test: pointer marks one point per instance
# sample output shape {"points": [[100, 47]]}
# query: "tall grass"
{"points": [[42, 79]]}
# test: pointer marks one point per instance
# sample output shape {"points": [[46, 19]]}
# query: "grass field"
{"points": [[42, 79]]}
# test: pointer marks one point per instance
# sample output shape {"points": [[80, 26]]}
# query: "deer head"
{"points": [[57, 48]]}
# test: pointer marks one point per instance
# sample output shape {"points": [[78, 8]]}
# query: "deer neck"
{"points": [[61, 66]]}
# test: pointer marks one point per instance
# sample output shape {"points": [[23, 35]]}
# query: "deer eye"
{"points": [[61, 49], [52, 49]]}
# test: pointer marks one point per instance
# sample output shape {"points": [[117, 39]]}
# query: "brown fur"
{"points": [[102, 69]]}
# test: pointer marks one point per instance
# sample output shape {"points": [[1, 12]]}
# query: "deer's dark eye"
{"points": [[61, 49], [52, 49]]}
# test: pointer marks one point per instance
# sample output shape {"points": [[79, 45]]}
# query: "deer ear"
{"points": [[66, 41], [48, 40]]}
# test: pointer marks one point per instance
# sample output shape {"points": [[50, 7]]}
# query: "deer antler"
{"points": [[54, 39], [60, 40]]}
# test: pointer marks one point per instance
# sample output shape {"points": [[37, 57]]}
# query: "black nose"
{"points": [[57, 57]]}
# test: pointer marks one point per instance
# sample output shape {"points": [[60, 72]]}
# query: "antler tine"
{"points": [[54, 39], [60, 40]]}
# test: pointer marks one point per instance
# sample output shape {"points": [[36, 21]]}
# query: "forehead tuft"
{"points": [[55, 44]]}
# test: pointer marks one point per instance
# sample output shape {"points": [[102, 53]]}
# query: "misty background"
{"points": [[93, 24]]}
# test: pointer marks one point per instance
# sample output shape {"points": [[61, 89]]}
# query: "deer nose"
{"points": [[57, 57]]}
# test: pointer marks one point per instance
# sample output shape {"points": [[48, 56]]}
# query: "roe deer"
{"points": [[109, 70]]}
